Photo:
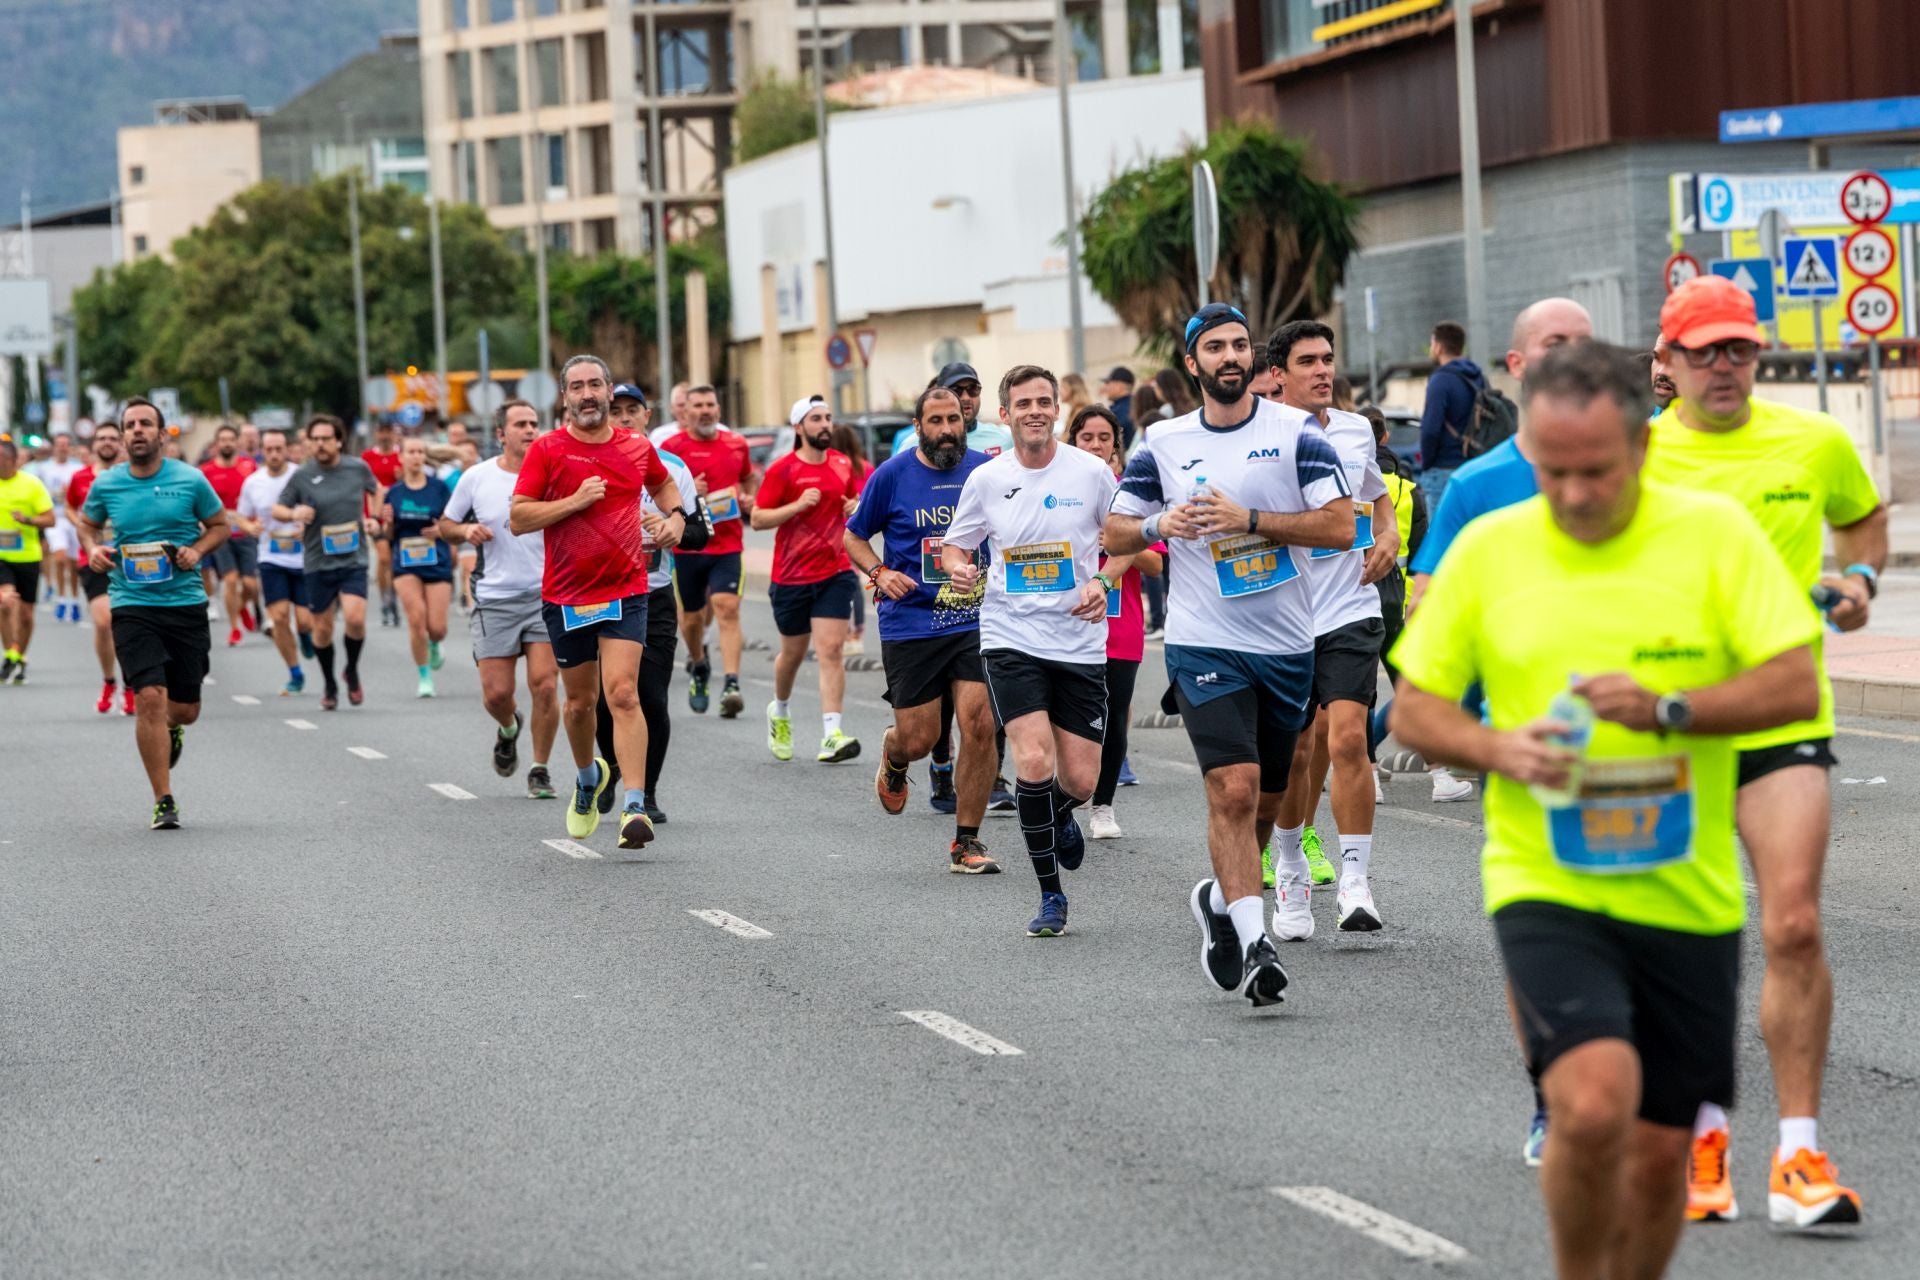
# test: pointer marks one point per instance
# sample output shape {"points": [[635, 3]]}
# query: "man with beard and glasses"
{"points": [[327, 496], [109, 450], [806, 497], [1043, 620], [929, 628], [582, 486], [236, 563], [165, 518], [708, 581], [1241, 490], [282, 559]]}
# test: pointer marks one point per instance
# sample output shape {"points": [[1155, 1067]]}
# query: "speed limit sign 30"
{"points": [[1873, 309]]}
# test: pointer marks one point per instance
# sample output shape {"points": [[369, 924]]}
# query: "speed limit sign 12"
{"points": [[1873, 309], [1869, 252]]}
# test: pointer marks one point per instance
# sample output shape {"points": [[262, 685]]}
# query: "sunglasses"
{"points": [[1738, 351]]}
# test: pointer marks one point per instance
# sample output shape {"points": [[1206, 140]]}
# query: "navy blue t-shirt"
{"points": [[413, 511], [910, 504]]}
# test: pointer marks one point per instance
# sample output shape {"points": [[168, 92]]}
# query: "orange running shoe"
{"points": [[1806, 1192], [890, 784], [1709, 1188]]}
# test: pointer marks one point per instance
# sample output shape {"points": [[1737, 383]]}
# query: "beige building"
{"points": [[175, 172]]}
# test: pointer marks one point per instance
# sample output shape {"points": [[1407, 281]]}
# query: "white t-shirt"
{"points": [[56, 476], [280, 540], [1043, 529], [1339, 597], [512, 564], [660, 564], [1237, 591]]}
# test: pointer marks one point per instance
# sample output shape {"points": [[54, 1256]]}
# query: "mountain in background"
{"points": [[73, 71]]}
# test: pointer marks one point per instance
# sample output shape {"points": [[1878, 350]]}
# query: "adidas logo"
{"points": [[1099, 723]]}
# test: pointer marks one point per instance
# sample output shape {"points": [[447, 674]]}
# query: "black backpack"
{"points": [[1491, 422]]}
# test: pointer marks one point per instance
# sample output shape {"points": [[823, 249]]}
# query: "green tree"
{"points": [[117, 313], [605, 305], [1285, 236], [775, 114]]}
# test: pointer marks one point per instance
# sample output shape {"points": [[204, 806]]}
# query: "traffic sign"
{"points": [[865, 339], [1873, 309], [411, 414], [1869, 252], [839, 351], [1680, 268], [1813, 267], [1755, 275], [538, 387], [485, 397], [1866, 198]]}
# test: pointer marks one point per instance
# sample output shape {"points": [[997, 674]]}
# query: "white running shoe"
{"points": [[1447, 788], [1379, 790], [1292, 909], [853, 648], [1100, 823], [1354, 905]]}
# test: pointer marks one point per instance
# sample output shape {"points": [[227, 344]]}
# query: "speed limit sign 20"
{"points": [[1873, 309], [1869, 252]]}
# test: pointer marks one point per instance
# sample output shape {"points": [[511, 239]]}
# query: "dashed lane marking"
{"points": [[572, 848], [1376, 1225], [732, 924], [246, 699], [450, 791], [960, 1033], [301, 724], [368, 753]]}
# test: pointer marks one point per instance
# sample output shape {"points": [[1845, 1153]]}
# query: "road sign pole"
{"points": [[1873, 390], [1820, 353]]}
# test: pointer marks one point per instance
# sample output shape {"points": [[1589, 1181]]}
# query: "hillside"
{"points": [[73, 71]]}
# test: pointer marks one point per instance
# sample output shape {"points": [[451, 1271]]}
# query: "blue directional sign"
{"points": [[412, 413], [1755, 275], [1812, 266], [1820, 120]]}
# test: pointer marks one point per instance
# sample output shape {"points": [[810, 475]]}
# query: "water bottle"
{"points": [[1576, 713]]}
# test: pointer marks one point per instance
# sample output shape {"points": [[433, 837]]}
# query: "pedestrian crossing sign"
{"points": [[1812, 265]]}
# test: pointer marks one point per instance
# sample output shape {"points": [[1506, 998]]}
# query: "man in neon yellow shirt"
{"points": [[1662, 618], [1794, 471], [25, 509]]}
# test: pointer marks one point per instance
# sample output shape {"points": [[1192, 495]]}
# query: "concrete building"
{"points": [[195, 156], [366, 113], [959, 261], [63, 247]]}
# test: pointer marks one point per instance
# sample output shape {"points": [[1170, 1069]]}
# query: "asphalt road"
{"points": [[345, 1024]]}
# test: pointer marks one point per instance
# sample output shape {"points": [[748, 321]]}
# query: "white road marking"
{"points": [[368, 753], [450, 791], [246, 699], [732, 924], [1382, 1228], [209, 680], [1863, 782], [573, 849], [301, 724], [960, 1033], [1878, 733]]}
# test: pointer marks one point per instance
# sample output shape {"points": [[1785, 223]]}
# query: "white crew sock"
{"points": [[1249, 919], [1354, 852], [1288, 859], [1711, 1116], [1216, 900], [830, 722], [1798, 1133], [780, 707]]}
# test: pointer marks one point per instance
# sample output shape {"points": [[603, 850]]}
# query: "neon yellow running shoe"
{"points": [[1318, 868], [1266, 864], [779, 734]]}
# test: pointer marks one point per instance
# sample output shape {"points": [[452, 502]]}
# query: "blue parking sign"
{"points": [[1755, 275]]}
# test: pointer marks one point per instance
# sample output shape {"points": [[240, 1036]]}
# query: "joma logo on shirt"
{"points": [[1786, 493], [1670, 651]]}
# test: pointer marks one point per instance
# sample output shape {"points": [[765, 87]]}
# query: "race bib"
{"points": [[146, 563], [1039, 567], [933, 565], [284, 542], [575, 616], [653, 560], [1247, 564], [724, 504], [12, 540], [339, 539], [1632, 815], [416, 553], [1362, 532]]}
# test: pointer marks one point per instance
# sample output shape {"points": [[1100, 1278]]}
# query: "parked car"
{"points": [[1403, 435]]}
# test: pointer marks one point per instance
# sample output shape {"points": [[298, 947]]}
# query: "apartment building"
{"points": [[195, 156]]}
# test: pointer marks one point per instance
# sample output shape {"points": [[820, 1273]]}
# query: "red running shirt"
{"points": [[78, 486], [226, 482], [811, 547], [594, 555], [385, 466], [724, 462]]}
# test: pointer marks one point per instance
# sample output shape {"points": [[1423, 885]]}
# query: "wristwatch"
{"points": [[1253, 519], [1673, 713], [1866, 573]]}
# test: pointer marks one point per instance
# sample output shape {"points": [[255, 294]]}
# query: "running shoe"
{"points": [[435, 658], [247, 619], [166, 815], [835, 748], [855, 647], [1128, 778], [697, 689], [60, 611], [1266, 865], [330, 700], [636, 829], [7, 665], [1353, 905], [1293, 910], [1317, 865], [655, 814], [1379, 789], [176, 743], [354, 695], [1805, 1191], [1101, 824], [1448, 789], [126, 702], [1000, 798], [506, 750], [1536, 1145], [779, 734], [1261, 977], [732, 702], [19, 672], [968, 857], [106, 697], [1069, 843], [890, 784], [539, 783], [1219, 945], [306, 645], [233, 638], [1052, 920], [1709, 1181], [296, 684], [941, 796], [425, 688], [583, 815]]}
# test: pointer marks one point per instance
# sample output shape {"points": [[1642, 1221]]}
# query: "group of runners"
{"points": [[1614, 617]]}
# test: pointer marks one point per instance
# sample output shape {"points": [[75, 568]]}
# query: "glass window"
{"points": [[548, 68], [468, 158], [546, 8], [503, 76], [461, 15], [402, 148], [509, 176], [139, 245], [500, 10], [460, 70], [593, 67], [560, 236], [413, 180], [136, 175], [556, 146]]}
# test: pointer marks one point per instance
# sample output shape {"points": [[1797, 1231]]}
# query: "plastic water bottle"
{"points": [[1576, 713]]}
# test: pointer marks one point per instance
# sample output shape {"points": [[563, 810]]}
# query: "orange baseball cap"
{"points": [[1709, 309]]}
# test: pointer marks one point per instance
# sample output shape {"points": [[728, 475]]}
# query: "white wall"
{"points": [[994, 166]]}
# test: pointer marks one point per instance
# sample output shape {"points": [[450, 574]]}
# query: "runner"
{"points": [[1795, 471], [505, 623], [56, 472], [108, 451], [990, 438], [327, 496], [236, 563], [1240, 638], [26, 509], [582, 485], [929, 630], [383, 459], [1348, 632], [1096, 430], [1043, 620], [165, 517], [676, 416], [708, 580], [422, 561], [282, 559], [806, 497], [1610, 873]]}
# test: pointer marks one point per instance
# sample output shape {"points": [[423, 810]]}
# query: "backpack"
{"points": [[1492, 421]]}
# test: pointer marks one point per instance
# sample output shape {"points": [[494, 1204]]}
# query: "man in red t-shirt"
{"points": [[108, 451], [582, 486], [237, 560], [708, 581], [383, 459], [806, 497]]}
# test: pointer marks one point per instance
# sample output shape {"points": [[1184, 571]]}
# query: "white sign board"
{"points": [[1735, 201], [26, 318]]}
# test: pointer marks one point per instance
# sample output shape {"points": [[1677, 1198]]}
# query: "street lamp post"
{"points": [[1062, 60], [439, 305], [359, 286], [826, 190], [1479, 336]]}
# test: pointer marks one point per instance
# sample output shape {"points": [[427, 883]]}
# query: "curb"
{"points": [[1869, 696]]}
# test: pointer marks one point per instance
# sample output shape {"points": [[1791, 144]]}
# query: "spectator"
{"points": [[1074, 396], [1148, 408], [1117, 391], [1343, 395], [1175, 391], [1451, 392]]}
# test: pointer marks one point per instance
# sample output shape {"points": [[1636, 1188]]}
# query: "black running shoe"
{"points": [[166, 815], [655, 814], [1069, 844], [1000, 798], [176, 743], [1220, 957], [539, 783], [1263, 979], [506, 751]]}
